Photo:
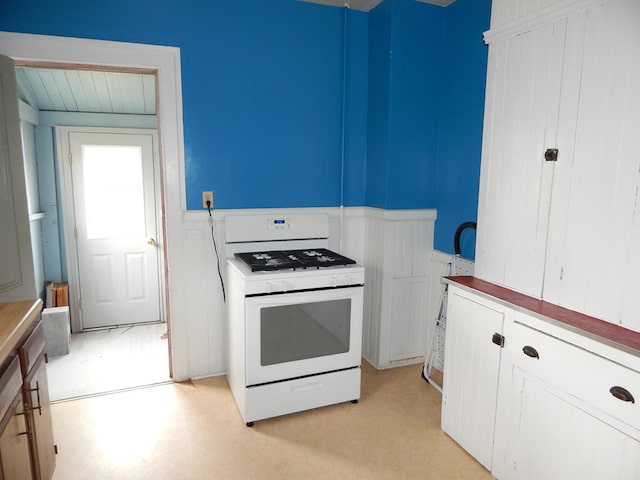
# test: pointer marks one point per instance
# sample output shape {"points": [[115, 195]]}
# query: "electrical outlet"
{"points": [[207, 197]]}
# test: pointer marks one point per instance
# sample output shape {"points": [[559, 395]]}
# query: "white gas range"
{"points": [[294, 316]]}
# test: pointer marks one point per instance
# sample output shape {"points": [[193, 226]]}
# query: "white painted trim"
{"points": [[442, 257], [65, 193], [544, 16], [166, 62], [401, 215], [51, 119], [333, 212], [28, 113]]}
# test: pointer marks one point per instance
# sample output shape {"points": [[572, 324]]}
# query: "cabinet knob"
{"points": [[551, 155], [498, 339], [529, 351], [622, 393]]}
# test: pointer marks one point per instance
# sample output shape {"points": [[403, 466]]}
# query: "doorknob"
{"points": [[151, 241]]}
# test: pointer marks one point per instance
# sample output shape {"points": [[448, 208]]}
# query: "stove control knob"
{"points": [[267, 287], [347, 280], [334, 281], [283, 286]]}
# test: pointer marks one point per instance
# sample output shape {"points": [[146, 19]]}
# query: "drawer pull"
{"points": [[37, 390], [622, 393], [529, 351]]}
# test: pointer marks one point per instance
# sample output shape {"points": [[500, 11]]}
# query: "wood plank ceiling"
{"points": [[87, 91]]}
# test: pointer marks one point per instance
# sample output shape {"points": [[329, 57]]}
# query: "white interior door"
{"points": [[114, 202]]}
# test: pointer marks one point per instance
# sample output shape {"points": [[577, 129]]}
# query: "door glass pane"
{"points": [[113, 191], [297, 332]]}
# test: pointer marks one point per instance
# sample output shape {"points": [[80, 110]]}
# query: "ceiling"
{"points": [[87, 91], [366, 5]]}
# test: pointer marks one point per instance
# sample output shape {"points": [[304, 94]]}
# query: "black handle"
{"points": [[622, 393], [498, 339], [37, 390], [529, 351]]}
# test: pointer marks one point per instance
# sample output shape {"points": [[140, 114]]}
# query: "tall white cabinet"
{"points": [[559, 221], [563, 74]]}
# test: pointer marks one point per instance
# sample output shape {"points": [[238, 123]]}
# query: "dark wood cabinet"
{"points": [[15, 457], [36, 394], [27, 449]]}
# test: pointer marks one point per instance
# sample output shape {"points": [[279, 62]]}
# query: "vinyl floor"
{"points": [[193, 431], [109, 360]]}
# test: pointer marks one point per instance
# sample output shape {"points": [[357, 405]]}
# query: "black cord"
{"points": [[215, 249], [456, 236]]}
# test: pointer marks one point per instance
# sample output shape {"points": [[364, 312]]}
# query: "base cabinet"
{"points": [[27, 450], [553, 435], [542, 406], [36, 390], [472, 361], [15, 460]]}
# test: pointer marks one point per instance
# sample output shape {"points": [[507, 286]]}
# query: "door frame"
{"points": [[65, 189], [165, 61]]}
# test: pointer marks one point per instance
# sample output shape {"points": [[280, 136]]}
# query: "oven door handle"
{"points": [[304, 296]]}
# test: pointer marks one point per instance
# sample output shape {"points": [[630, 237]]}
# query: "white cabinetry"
{"points": [[561, 75], [551, 404], [472, 362], [558, 417]]}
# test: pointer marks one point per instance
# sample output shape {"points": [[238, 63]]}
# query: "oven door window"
{"points": [[290, 333]]}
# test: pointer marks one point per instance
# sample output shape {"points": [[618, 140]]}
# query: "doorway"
{"points": [[106, 185], [165, 61]]}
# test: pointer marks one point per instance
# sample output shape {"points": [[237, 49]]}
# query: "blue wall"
{"points": [[378, 105], [263, 83], [427, 68], [460, 122], [262, 90], [406, 43]]}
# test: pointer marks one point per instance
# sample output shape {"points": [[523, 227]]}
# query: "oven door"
{"points": [[296, 334]]}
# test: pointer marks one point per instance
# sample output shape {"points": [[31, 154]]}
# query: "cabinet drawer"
{"points": [[588, 377], [31, 350], [10, 385]]}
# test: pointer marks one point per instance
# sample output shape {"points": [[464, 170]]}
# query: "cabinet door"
{"points": [[554, 436], [42, 438], [521, 114], [471, 366], [17, 278], [14, 445], [596, 208]]}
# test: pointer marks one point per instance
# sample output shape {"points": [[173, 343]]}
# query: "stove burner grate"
{"points": [[293, 259]]}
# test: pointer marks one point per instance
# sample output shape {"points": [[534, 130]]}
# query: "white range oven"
{"points": [[294, 316]]}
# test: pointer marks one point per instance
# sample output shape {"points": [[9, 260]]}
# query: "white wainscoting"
{"points": [[394, 246], [397, 249]]}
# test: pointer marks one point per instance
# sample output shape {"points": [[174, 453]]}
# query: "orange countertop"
{"points": [[594, 326], [16, 318]]}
